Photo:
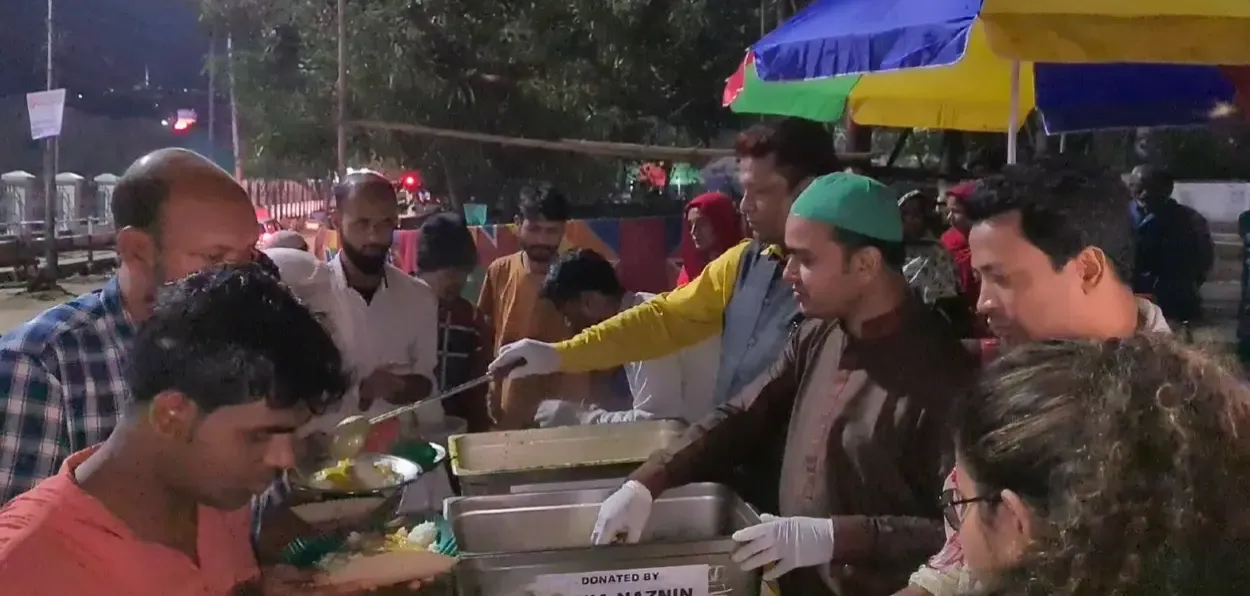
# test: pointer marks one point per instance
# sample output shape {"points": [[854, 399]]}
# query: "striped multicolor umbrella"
{"points": [[839, 37], [941, 64], [974, 94]]}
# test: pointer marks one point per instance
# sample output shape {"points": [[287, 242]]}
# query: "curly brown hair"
{"points": [[1133, 455]]}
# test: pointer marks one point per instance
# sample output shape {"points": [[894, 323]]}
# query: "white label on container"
{"points": [[687, 580]]}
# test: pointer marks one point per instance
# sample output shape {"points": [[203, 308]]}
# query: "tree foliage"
{"points": [[643, 71]]}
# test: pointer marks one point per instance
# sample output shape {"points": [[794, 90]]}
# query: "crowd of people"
{"points": [[1023, 356], [924, 394]]}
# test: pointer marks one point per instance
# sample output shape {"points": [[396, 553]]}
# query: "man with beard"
{"points": [[176, 212], [394, 318], [743, 286], [511, 300], [1053, 247], [859, 397]]}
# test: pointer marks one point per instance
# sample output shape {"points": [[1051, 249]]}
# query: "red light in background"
{"points": [[410, 181], [184, 120]]}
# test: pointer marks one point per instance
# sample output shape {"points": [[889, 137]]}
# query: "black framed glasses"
{"points": [[954, 507]]}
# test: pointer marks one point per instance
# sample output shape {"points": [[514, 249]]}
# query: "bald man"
{"points": [[394, 346], [284, 239], [175, 213]]}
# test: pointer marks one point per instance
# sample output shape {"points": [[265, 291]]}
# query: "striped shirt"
{"points": [[61, 376], [464, 350]]}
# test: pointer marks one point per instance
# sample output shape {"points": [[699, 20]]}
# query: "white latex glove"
{"points": [[623, 512], [790, 542], [557, 412], [540, 359]]}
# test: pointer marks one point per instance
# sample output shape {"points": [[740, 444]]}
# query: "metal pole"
{"points": [[1013, 120], [341, 90], [49, 177], [212, 96], [234, 110]]}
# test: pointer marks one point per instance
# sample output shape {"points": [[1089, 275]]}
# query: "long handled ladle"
{"points": [[351, 432]]}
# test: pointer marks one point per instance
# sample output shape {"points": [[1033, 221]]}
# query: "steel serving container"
{"points": [[517, 460], [506, 541], [407, 472]]}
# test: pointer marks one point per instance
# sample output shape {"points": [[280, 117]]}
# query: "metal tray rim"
{"points": [[467, 473], [707, 546], [453, 448]]}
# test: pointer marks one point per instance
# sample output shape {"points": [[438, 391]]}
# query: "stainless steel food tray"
{"points": [[495, 463], [507, 541]]}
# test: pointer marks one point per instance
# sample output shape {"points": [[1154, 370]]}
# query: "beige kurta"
{"points": [[864, 421]]}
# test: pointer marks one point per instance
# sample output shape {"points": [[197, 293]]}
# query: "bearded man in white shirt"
{"points": [[393, 318], [584, 287]]}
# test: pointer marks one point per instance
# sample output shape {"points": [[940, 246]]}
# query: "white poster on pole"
{"points": [[47, 112]]}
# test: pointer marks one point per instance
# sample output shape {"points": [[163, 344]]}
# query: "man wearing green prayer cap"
{"points": [[858, 395]]}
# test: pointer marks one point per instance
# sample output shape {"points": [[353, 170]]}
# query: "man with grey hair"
{"points": [[176, 213]]}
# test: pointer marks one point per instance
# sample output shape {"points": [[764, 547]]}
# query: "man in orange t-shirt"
{"points": [[226, 368], [510, 298]]}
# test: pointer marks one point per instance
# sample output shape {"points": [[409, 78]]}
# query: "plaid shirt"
{"points": [[463, 354], [61, 373]]}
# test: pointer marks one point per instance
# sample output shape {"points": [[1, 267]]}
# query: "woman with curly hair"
{"points": [[1118, 468]]}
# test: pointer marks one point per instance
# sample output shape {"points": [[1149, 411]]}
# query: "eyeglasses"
{"points": [[953, 507]]}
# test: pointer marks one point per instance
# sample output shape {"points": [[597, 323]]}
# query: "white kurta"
{"points": [[398, 330], [677, 386]]}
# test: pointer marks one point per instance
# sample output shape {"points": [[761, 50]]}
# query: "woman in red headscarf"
{"points": [[712, 227], [955, 240]]}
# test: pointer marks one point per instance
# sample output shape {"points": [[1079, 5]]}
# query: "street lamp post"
{"points": [[49, 177], [341, 91]]}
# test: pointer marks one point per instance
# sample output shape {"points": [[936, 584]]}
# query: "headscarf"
{"points": [[718, 208], [956, 243]]}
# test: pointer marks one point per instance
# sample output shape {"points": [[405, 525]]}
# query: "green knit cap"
{"points": [[854, 203]]}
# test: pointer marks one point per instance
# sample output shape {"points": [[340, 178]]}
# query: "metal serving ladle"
{"points": [[350, 433]]}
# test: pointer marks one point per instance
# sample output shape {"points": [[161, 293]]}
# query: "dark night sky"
{"points": [[102, 48]]}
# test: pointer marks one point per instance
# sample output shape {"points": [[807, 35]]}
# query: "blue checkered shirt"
{"points": [[61, 385]]}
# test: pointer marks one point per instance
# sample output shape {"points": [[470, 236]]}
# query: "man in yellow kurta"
{"points": [[739, 295], [742, 286]]}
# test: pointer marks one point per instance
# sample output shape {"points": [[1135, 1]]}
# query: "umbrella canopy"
{"points": [[974, 93], [839, 37]]}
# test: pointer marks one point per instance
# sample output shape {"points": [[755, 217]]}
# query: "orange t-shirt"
{"points": [[510, 297], [57, 540]]}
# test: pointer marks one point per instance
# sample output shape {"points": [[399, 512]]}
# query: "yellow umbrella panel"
{"points": [[973, 94], [1150, 31]]}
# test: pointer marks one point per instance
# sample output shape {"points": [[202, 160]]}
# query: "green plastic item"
{"points": [[421, 453], [306, 552]]}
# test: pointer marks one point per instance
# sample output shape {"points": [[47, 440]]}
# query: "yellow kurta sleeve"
{"points": [[660, 326]]}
